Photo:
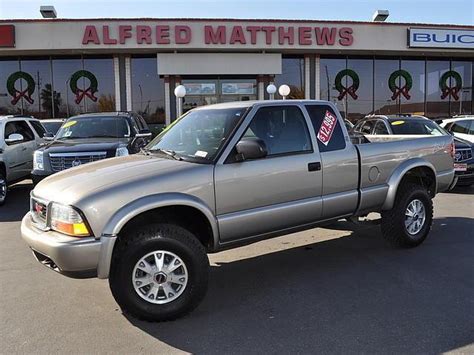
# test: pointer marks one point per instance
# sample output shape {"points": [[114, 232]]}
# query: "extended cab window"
{"points": [[282, 128], [320, 116], [20, 127], [380, 128]]}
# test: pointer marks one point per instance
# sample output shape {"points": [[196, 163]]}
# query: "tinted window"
{"points": [[20, 127], [337, 139], [422, 127], [380, 128], [283, 129], [94, 127], [51, 127], [40, 131], [461, 127]]}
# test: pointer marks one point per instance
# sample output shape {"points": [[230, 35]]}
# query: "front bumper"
{"points": [[71, 256]]}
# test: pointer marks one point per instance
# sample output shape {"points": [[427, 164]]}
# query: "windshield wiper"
{"points": [[170, 153]]}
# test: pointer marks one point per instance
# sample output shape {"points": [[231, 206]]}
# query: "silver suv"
{"points": [[20, 136]]}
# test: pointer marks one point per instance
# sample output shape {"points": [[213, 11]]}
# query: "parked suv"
{"points": [[375, 127], [19, 137], [90, 137], [460, 126]]}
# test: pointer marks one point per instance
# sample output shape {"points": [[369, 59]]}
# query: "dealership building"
{"points": [[62, 67]]}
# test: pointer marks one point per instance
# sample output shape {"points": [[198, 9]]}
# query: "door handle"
{"points": [[316, 166], [23, 149]]}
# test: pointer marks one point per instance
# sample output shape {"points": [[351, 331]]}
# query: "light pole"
{"points": [[67, 98], [284, 91], [141, 98], [271, 89], [180, 92]]}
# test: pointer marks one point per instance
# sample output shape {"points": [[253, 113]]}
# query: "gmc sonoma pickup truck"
{"points": [[223, 176]]}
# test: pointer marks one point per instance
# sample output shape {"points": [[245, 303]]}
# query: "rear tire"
{"points": [[409, 222], [3, 189], [150, 253]]}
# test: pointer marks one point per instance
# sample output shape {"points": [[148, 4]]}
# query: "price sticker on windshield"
{"points": [[327, 128]]}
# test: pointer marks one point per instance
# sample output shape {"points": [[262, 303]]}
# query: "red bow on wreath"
{"points": [[351, 90], [87, 92], [401, 91], [453, 91], [19, 94]]}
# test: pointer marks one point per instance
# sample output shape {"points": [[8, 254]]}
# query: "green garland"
{"points": [[404, 90], [80, 93], [17, 94], [351, 90], [453, 90]]}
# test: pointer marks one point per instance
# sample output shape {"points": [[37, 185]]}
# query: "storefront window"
{"points": [[66, 103], [385, 102], [38, 74], [292, 74], [7, 107], [103, 71], [358, 89], [329, 69], [461, 103], [411, 87], [148, 90], [437, 95]]}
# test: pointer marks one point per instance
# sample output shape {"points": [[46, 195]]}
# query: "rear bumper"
{"points": [[74, 257]]}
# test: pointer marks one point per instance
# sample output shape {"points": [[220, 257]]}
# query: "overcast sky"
{"points": [[420, 11]]}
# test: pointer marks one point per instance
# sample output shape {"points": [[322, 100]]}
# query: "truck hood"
{"points": [[82, 181]]}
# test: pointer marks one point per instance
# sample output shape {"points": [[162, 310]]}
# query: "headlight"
{"points": [[38, 160], [67, 220], [121, 151]]}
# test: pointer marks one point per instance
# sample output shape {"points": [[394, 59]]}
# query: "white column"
{"points": [[317, 77], [128, 82], [306, 77], [117, 83], [167, 101], [261, 90]]}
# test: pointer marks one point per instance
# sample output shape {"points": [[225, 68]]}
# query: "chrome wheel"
{"points": [[415, 216], [160, 277], [3, 189]]}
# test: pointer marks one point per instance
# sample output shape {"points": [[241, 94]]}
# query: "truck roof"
{"points": [[237, 104]]}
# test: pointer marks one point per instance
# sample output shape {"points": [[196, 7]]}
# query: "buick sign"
{"points": [[437, 38]]}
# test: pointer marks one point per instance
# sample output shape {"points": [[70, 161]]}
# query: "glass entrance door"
{"points": [[200, 92]]}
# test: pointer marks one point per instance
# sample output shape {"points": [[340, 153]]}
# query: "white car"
{"points": [[461, 126], [20, 136]]}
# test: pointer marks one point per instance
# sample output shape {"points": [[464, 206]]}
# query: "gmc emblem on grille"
{"points": [[38, 208], [76, 162]]}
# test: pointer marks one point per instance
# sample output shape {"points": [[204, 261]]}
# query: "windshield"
{"points": [[94, 127], [199, 134], [421, 127], [51, 127]]}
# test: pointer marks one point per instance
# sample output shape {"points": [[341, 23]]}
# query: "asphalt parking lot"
{"points": [[339, 290]]}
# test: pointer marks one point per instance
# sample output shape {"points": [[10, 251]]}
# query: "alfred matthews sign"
{"points": [[440, 38], [219, 34]]}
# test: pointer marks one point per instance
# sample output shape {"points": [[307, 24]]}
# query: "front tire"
{"points": [[409, 222], [159, 272]]}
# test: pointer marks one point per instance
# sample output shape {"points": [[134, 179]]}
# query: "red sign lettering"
{"points": [[7, 36]]}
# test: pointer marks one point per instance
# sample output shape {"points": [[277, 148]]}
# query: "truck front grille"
{"points": [[63, 161], [462, 154]]}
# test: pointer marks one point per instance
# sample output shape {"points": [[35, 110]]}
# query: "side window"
{"points": [[282, 128], [366, 128], [461, 127], [20, 127], [380, 128], [134, 126], [38, 127], [319, 115]]}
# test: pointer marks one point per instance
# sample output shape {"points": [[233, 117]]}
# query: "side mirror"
{"points": [[14, 138], [251, 148], [143, 133], [48, 136]]}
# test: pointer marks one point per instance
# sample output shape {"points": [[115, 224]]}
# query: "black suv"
{"points": [[90, 137]]}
